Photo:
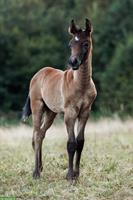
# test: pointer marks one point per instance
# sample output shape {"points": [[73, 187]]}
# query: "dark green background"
{"points": [[34, 34]]}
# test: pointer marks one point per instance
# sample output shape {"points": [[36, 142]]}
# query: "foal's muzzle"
{"points": [[74, 63]]}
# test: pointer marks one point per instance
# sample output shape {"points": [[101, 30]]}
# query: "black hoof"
{"points": [[36, 175], [70, 176], [76, 174]]}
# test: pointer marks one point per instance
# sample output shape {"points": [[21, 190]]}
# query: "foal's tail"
{"points": [[26, 112]]}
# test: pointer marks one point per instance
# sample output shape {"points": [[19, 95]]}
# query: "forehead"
{"points": [[80, 36]]}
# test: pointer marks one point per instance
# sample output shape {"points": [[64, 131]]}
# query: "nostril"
{"points": [[75, 61], [72, 61]]}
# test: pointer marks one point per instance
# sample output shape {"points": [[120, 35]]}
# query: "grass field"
{"points": [[106, 166]]}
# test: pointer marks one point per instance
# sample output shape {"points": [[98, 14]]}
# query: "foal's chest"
{"points": [[87, 97]]}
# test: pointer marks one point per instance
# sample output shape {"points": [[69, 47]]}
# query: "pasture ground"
{"points": [[106, 165]]}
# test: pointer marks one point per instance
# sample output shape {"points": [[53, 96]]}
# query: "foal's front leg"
{"points": [[71, 144], [82, 119]]}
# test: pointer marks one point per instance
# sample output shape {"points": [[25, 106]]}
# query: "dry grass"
{"points": [[106, 167]]}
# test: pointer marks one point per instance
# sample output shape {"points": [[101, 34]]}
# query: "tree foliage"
{"points": [[114, 59], [117, 82], [33, 34]]}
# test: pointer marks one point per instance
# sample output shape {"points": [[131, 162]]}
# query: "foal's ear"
{"points": [[72, 28], [88, 26]]}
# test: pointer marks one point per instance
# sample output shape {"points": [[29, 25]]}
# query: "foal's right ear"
{"points": [[88, 26], [72, 28]]}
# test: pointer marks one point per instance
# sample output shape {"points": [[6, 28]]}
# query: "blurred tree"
{"points": [[33, 34], [31, 37], [111, 33], [117, 82]]}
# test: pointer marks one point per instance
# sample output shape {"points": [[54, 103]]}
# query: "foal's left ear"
{"points": [[88, 26], [72, 28]]}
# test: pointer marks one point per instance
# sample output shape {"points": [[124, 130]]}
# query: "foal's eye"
{"points": [[86, 45]]}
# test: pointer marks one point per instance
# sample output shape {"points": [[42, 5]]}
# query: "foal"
{"points": [[72, 92]]}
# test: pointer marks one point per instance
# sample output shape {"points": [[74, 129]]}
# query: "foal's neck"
{"points": [[83, 75]]}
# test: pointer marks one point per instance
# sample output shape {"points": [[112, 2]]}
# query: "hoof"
{"points": [[36, 175], [76, 174], [70, 176]]}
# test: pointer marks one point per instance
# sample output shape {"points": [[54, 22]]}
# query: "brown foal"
{"points": [[72, 92]]}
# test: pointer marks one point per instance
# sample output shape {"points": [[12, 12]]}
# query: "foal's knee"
{"points": [[71, 147], [80, 144]]}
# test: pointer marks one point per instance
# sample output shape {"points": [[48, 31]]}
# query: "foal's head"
{"points": [[80, 44]]}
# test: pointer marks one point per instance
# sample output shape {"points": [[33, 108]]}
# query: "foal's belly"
{"points": [[53, 102]]}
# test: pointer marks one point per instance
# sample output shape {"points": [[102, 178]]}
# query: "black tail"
{"points": [[26, 109]]}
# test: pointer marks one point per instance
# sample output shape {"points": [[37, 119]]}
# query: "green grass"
{"points": [[106, 170]]}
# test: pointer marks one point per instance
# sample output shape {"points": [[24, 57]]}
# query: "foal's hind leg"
{"points": [[37, 107], [48, 120]]}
